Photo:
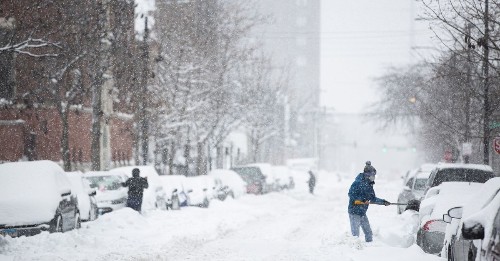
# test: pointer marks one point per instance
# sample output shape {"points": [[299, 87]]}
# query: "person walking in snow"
{"points": [[136, 186], [312, 182], [361, 194]]}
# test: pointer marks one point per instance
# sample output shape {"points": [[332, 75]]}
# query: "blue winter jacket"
{"points": [[362, 189]]}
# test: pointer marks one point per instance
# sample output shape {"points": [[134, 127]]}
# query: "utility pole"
{"points": [[468, 42], [101, 84], [143, 107], [486, 109]]}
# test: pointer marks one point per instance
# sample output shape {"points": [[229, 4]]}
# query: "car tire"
{"points": [[206, 203], [176, 204], [78, 221]]}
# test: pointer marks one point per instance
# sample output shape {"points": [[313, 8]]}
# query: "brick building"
{"points": [[41, 88]]}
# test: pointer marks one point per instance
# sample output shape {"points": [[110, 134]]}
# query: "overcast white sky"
{"points": [[360, 39]]}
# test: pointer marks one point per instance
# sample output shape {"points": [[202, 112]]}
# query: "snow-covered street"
{"points": [[290, 225]]}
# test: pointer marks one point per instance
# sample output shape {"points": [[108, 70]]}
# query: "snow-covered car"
{"points": [[154, 195], [87, 204], [110, 194], [283, 177], [456, 246], [451, 172], [233, 184], [200, 191], [175, 194], [36, 196], [484, 228], [414, 188], [271, 180], [255, 180], [437, 202]]}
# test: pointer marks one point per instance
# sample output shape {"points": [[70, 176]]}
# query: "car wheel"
{"points": [[78, 221], [175, 204]]}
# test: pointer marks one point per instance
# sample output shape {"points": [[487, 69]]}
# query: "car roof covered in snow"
{"points": [[102, 173], [31, 191], [464, 166], [423, 174]]}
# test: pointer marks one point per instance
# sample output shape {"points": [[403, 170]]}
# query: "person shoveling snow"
{"points": [[361, 195]]}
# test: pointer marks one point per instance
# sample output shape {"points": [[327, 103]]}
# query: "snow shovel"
{"points": [[359, 202]]}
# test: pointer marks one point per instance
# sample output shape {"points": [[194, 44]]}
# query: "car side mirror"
{"points": [[474, 232], [406, 188], [204, 189], [175, 190], [92, 192], [447, 218], [455, 212], [189, 191]]}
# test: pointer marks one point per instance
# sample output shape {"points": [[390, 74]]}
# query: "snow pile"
{"points": [[230, 179], [403, 230]]}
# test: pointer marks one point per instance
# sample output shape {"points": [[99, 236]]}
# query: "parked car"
{"points": [[176, 196], [87, 204], [449, 172], [484, 228], [270, 179], [414, 188], [252, 175], [154, 195], [437, 202], [426, 167], [200, 191], [110, 194], [283, 177], [456, 247], [36, 196], [232, 184]]}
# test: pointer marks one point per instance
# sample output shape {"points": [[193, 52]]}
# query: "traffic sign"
{"points": [[496, 144]]}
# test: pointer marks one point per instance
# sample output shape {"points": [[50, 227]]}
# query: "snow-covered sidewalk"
{"points": [[291, 225]]}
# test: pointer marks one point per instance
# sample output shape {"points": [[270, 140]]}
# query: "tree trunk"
{"points": [[201, 166], [64, 113], [171, 158], [486, 66]]}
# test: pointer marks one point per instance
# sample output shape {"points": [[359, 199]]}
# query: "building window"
{"points": [[7, 83]]}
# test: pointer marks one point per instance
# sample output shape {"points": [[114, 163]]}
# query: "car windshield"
{"points": [[105, 182], [419, 184], [250, 174], [461, 174]]}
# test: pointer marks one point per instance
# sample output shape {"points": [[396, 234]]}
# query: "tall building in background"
{"points": [[292, 39]]}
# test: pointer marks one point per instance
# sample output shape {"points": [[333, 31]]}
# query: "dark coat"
{"points": [[136, 186], [362, 189], [312, 180]]}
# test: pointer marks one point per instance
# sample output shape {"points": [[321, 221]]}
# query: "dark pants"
{"points": [[311, 189], [134, 202]]}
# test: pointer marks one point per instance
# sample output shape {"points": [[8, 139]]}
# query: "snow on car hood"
{"points": [[31, 192]]}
